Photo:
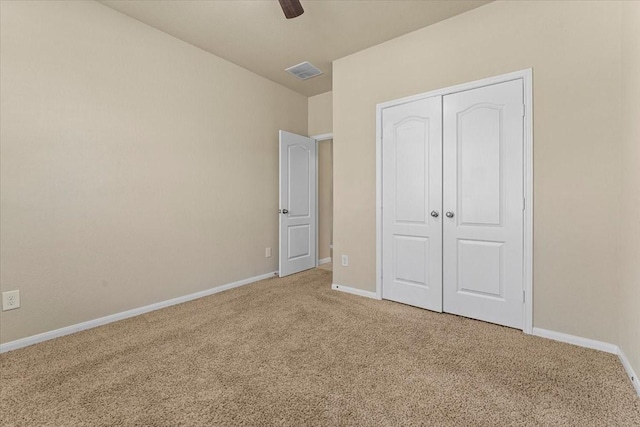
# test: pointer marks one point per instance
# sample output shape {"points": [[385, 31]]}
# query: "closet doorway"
{"points": [[454, 200]]}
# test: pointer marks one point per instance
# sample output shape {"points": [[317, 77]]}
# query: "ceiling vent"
{"points": [[304, 71]]}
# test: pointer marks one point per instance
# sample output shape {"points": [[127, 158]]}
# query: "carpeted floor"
{"points": [[328, 266], [293, 352]]}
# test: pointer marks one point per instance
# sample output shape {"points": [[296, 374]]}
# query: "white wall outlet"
{"points": [[267, 253], [10, 300], [345, 260]]}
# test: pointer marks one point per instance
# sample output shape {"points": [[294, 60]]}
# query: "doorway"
{"points": [[325, 203], [454, 200], [298, 204], [305, 202]]}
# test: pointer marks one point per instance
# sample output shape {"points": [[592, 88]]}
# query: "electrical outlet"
{"points": [[345, 260], [267, 253], [10, 300]]}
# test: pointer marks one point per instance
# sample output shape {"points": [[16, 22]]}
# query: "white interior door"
{"points": [[297, 203], [411, 203], [483, 203]]}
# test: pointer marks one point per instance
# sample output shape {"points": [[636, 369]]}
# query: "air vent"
{"points": [[304, 71]]}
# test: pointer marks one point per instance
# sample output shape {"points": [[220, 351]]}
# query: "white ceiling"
{"points": [[255, 35]]}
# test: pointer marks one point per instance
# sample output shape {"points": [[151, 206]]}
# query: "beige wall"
{"points": [[134, 167], [325, 198], [629, 311], [574, 50], [321, 114]]}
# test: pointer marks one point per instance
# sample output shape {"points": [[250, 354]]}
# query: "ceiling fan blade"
{"points": [[291, 8]]}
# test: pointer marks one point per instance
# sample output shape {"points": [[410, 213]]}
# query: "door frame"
{"points": [[527, 78], [319, 138]]}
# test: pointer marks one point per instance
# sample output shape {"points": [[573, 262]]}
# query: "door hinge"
{"points": [[524, 110], [524, 297], [524, 204]]}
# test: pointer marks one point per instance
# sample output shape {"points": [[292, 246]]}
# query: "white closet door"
{"points": [[483, 203], [411, 200]]}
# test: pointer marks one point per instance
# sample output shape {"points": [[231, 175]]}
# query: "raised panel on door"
{"points": [[299, 241], [480, 269], [412, 189], [483, 196], [299, 181], [297, 247], [411, 254], [479, 165]]}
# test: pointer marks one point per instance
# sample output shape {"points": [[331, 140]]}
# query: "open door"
{"points": [[297, 203]]}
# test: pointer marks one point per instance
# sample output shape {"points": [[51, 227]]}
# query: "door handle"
{"points": [[435, 214], [285, 211], [449, 214]]}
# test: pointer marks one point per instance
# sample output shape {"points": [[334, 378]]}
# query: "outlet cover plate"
{"points": [[10, 300]]}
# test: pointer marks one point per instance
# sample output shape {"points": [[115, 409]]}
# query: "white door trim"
{"points": [[526, 76], [323, 137], [319, 138]]}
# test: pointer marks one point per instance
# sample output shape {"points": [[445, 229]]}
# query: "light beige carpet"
{"points": [[293, 352], [328, 266]]}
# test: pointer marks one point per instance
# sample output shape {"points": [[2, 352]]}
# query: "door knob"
{"points": [[435, 214], [285, 211], [449, 214]]}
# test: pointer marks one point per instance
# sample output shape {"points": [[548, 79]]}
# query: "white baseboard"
{"points": [[45, 336], [544, 333], [324, 261], [595, 345], [579, 341], [354, 291], [627, 367]]}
